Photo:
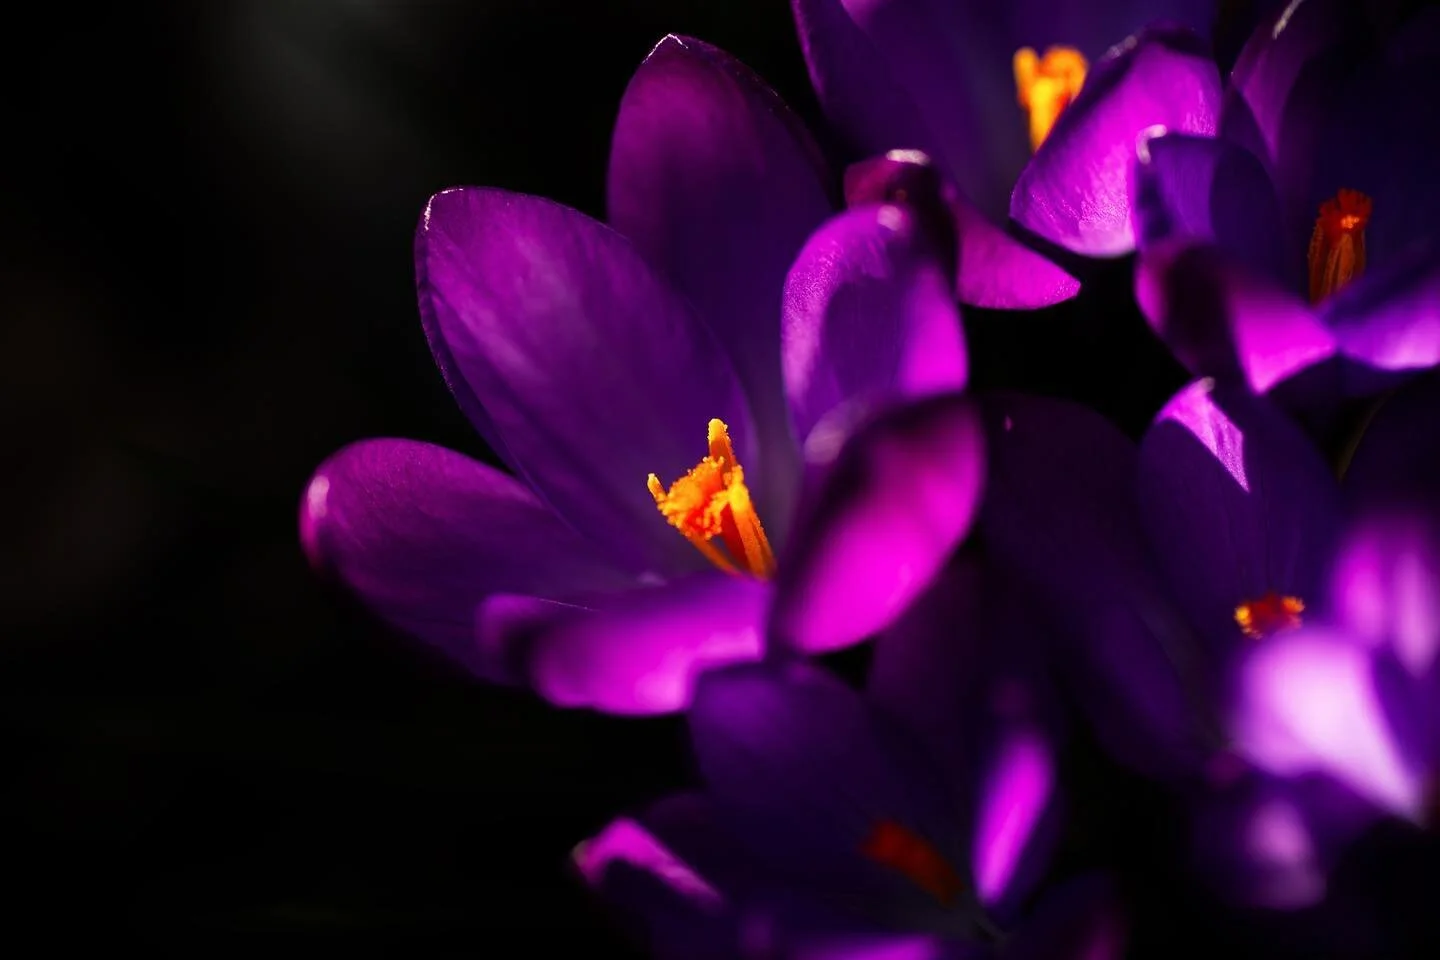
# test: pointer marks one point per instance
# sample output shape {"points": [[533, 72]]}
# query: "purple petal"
{"points": [[991, 268], [867, 314], [1271, 843], [1308, 703], [1238, 505], [1076, 190], [897, 500], [1061, 513], [961, 669], [642, 651], [423, 535], [1398, 456], [1224, 321], [1206, 189], [1384, 584], [1389, 319], [592, 372], [895, 75], [718, 184], [1374, 141], [1081, 920], [808, 773]]}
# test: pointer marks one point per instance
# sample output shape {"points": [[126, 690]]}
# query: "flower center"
{"points": [[1046, 85], [712, 500], [1337, 245], [1269, 615], [898, 848]]}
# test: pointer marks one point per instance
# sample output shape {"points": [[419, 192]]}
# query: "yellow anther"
{"points": [[712, 500], [1269, 615], [1046, 85], [1337, 245]]}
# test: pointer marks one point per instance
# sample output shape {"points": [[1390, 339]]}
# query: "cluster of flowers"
{"points": [[739, 435]]}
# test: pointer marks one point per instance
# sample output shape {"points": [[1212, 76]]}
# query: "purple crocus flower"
{"points": [[1163, 565], [950, 79], [1353, 695], [1321, 186], [684, 351], [905, 821]]}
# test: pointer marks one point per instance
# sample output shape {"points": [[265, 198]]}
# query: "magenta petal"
{"points": [[992, 269], [423, 535], [1207, 189], [641, 652], [1389, 319], [1076, 190], [999, 272], [898, 499], [1225, 321], [591, 371], [867, 316], [1061, 513], [1383, 583], [1308, 703], [718, 184], [1238, 504]]}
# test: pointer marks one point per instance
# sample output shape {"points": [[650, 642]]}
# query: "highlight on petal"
{"points": [[1307, 702], [898, 499], [718, 184], [1225, 321], [1207, 189], [640, 653], [990, 268], [424, 535], [1018, 788], [1385, 584], [1076, 190], [1238, 506], [867, 315], [1390, 318], [592, 373]]}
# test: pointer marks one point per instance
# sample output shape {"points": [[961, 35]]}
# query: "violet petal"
{"points": [[1075, 192], [1237, 504], [423, 535], [867, 315], [592, 372], [897, 500], [640, 652]]}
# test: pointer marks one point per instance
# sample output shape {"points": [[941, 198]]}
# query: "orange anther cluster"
{"points": [[1337, 244], [1269, 615], [1046, 85]]}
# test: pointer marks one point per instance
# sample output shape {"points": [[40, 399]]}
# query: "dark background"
{"points": [[208, 288]]}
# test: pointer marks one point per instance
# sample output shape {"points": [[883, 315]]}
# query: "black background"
{"points": [[208, 288]]}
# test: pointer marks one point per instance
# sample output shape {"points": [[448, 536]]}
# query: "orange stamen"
{"points": [[712, 500], [1337, 244], [1046, 85], [1269, 615], [892, 845]]}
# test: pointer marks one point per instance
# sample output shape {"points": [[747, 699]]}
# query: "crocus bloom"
{"points": [[1353, 696], [974, 84], [590, 362], [905, 821], [1322, 182], [1163, 565]]}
